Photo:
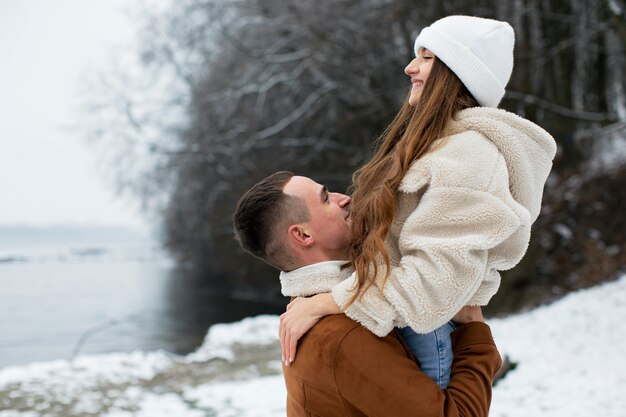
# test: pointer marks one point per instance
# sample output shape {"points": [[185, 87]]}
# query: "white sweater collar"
{"points": [[313, 279]]}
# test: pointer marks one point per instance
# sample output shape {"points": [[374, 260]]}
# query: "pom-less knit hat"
{"points": [[479, 51]]}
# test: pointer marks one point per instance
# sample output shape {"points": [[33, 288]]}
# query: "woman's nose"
{"points": [[411, 68]]}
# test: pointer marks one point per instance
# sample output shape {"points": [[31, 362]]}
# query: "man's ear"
{"points": [[299, 235]]}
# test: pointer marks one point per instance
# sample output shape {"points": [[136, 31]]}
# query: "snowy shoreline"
{"points": [[571, 358]]}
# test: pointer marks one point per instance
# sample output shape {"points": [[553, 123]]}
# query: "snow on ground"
{"points": [[259, 397], [571, 360], [571, 355]]}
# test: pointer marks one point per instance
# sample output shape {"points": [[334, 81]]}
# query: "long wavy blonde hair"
{"points": [[409, 137]]}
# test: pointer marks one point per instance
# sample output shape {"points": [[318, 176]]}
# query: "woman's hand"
{"points": [[301, 315], [468, 314]]}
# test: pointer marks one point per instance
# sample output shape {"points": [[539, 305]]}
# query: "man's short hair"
{"points": [[262, 217]]}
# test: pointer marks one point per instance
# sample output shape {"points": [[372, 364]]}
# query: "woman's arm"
{"points": [[444, 247], [301, 315], [462, 226], [444, 258]]}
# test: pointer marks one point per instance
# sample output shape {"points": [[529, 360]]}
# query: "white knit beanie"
{"points": [[479, 51]]}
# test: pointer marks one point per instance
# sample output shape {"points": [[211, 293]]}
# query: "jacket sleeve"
{"points": [[380, 381], [372, 310], [443, 246]]}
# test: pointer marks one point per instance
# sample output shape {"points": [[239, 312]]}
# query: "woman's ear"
{"points": [[299, 235]]}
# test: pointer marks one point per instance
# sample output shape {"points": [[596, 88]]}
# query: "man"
{"points": [[297, 225]]}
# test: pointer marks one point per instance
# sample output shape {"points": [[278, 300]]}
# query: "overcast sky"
{"points": [[47, 175]]}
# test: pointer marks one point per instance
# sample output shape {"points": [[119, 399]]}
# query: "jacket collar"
{"points": [[313, 279]]}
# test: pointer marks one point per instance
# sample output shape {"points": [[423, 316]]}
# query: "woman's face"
{"points": [[419, 70]]}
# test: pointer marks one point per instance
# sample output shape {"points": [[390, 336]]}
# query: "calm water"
{"points": [[96, 301]]}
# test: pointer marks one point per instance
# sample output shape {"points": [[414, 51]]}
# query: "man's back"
{"points": [[342, 369]]}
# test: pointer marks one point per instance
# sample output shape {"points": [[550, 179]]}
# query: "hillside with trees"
{"points": [[221, 93]]}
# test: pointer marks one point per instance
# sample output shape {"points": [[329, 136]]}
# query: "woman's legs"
{"points": [[433, 351]]}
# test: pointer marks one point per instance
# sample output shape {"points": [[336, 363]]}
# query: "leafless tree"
{"points": [[226, 92]]}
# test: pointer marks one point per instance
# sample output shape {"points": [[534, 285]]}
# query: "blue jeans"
{"points": [[433, 351]]}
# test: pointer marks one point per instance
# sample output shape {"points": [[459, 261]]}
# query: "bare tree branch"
{"points": [[555, 108]]}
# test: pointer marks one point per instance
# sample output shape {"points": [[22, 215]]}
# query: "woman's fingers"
{"points": [[281, 333], [288, 347], [285, 338], [294, 323], [288, 339], [293, 343]]}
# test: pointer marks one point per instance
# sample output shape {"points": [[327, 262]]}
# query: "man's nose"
{"points": [[342, 199]]}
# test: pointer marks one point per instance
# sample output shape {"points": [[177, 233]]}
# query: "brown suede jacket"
{"points": [[342, 369]]}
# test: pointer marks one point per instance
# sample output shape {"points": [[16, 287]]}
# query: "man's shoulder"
{"points": [[331, 331], [336, 333], [317, 351], [311, 378]]}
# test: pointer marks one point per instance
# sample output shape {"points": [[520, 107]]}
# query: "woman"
{"points": [[447, 201]]}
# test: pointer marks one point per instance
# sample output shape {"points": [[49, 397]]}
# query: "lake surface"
{"points": [[89, 295]]}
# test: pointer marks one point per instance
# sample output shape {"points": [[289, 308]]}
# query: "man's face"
{"points": [[329, 221]]}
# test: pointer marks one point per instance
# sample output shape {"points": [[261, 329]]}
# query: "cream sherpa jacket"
{"points": [[464, 213]]}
